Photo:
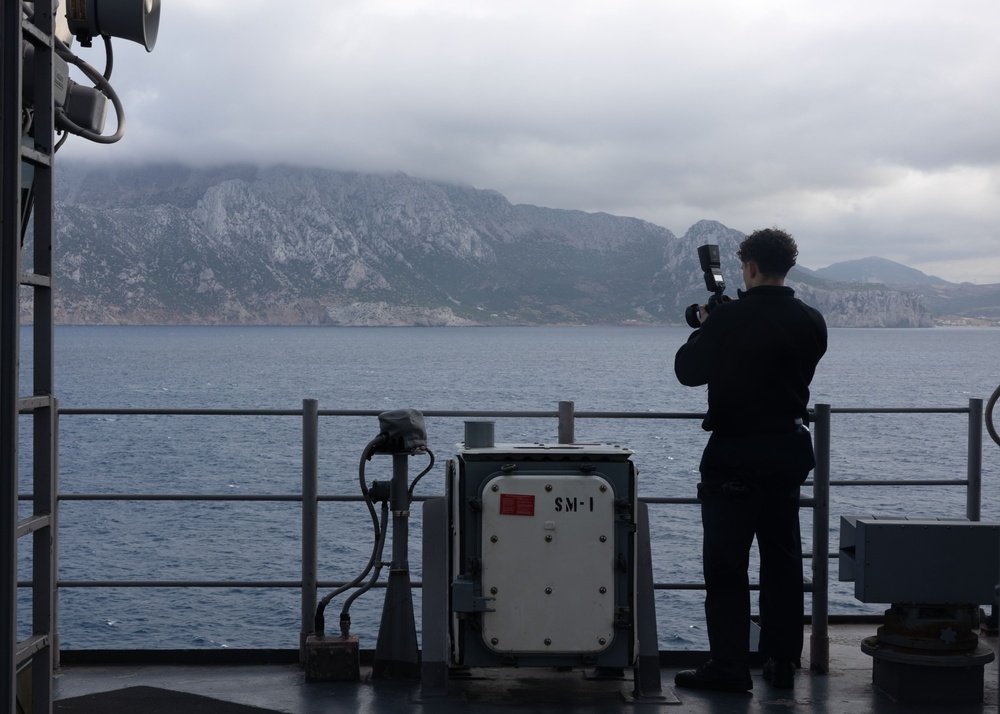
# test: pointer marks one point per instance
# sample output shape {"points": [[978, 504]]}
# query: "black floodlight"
{"points": [[135, 20]]}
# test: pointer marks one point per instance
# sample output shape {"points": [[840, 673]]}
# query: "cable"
{"points": [[422, 473], [62, 140], [100, 83], [381, 531], [345, 615], [366, 455], [109, 57], [989, 415]]}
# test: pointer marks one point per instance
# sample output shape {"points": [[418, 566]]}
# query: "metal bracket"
{"points": [[464, 599]]}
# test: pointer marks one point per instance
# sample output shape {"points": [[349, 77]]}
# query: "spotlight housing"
{"points": [[135, 20]]}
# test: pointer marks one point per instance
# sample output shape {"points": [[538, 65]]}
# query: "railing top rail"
{"points": [[149, 411], [453, 413], [233, 497], [899, 410]]}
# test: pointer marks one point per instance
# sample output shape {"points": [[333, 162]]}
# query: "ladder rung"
{"points": [[34, 35], [32, 524], [44, 281], [35, 156], [26, 648], [26, 405]]}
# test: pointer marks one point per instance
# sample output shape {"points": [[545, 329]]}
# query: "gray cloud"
{"points": [[864, 128]]}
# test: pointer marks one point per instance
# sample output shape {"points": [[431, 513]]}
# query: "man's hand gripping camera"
{"points": [[711, 266]]}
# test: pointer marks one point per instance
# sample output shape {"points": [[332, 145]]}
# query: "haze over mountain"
{"points": [[877, 270], [949, 303], [166, 244]]}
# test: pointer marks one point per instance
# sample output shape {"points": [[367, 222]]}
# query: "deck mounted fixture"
{"points": [[936, 574]]}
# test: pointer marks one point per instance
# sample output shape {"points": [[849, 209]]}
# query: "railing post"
{"points": [[310, 519], [819, 641], [566, 422], [974, 495]]}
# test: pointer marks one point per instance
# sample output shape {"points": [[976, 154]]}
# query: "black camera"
{"points": [[711, 266]]}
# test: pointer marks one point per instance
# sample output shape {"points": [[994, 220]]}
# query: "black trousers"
{"points": [[730, 522]]}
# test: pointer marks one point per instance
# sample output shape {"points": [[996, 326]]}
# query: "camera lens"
{"points": [[692, 315]]}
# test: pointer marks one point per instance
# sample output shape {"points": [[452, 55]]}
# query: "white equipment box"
{"points": [[543, 555]]}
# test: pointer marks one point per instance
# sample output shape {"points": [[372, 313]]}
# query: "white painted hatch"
{"points": [[548, 560]]}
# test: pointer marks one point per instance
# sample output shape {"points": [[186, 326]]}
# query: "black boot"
{"points": [[780, 673]]}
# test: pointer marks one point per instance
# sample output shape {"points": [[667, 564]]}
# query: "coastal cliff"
{"points": [[288, 245]]}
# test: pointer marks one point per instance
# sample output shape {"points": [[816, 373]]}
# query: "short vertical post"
{"points": [[647, 683], [396, 651], [819, 641], [435, 653], [310, 520], [567, 411], [974, 495]]}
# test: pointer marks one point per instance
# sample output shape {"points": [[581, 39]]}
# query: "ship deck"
{"points": [[846, 688]]}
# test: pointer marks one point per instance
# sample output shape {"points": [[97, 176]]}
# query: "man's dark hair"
{"points": [[772, 249]]}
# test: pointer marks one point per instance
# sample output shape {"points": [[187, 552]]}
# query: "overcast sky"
{"points": [[864, 127]]}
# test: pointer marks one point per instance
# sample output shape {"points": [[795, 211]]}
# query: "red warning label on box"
{"points": [[514, 504]]}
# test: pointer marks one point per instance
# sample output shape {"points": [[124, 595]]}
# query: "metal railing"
{"points": [[566, 414]]}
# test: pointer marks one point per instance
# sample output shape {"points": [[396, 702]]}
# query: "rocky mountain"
{"points": [[288, 245], [949, 303], [877, 270]]}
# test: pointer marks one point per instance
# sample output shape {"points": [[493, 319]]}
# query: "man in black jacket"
{"points": [[757, 355]]}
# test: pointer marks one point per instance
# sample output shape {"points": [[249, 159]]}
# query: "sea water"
{"points": [[510, 368]]}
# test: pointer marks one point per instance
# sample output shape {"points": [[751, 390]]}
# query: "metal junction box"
{"points": [[929, 561], [542, 565]]}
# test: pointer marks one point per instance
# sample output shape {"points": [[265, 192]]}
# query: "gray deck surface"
{"points": [[846, 689]]}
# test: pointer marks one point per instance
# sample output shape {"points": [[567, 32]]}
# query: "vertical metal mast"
{"points": [[27, 179], [10, 76]]}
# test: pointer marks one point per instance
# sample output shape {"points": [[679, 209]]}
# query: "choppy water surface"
{"points": [[599, 368]]}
